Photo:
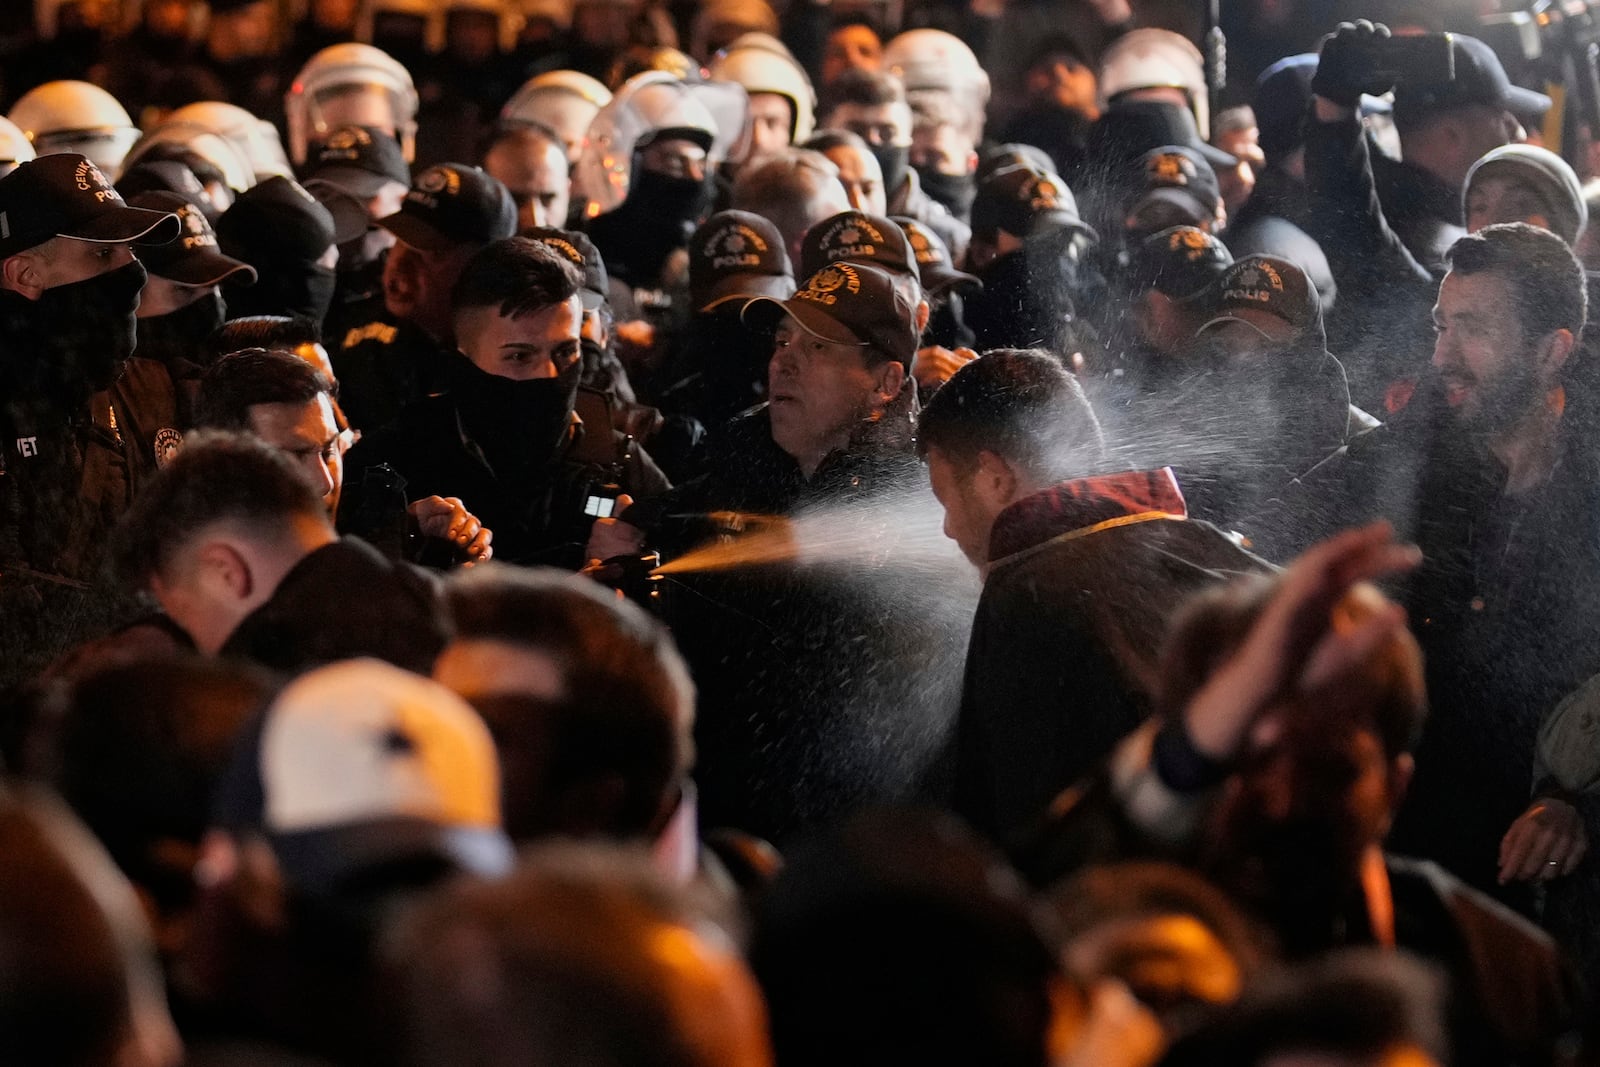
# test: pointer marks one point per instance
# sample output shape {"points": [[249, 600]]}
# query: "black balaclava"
{"points": [[76, 338], [895, 161], [658, 218], [955, 191], [177, 339], [293, 288], [519, 425]]}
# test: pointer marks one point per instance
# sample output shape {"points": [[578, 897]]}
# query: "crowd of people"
{"points": [[729, 534]]}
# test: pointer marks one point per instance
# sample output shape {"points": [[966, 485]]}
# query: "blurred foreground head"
{"points": [[581, 956], [78, 982]]}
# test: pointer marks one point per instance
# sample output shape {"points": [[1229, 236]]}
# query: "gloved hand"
{"points": [[1351, 64]]}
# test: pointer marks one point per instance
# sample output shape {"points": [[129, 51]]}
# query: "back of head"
{"points": [[1359, 1006], [215, 478], [137, 751], [234, 384], [263, 331], [616, 706], [794, 190], [1390, 698], [1022, 405], [582, 956], [898, 937], [77, 984], [862, 88]]}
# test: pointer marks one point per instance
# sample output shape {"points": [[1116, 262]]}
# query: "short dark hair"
{"points": [[1548, 286], [518, 276], [520, 132], [863, 88], [262, 331], [825, 141], [73, 946], [1020, 404], [551, 964], [234, 384], [137, 749], [627, 703], [215, 477], [856, 18]]}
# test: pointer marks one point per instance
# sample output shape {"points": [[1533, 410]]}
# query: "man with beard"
{"points": [[503, 437], [1282, 747], [181, 304], [81, 425], [1501, 493], [398, 352]]}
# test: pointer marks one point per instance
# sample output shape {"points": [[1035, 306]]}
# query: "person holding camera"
{"points": [[503, 437]]}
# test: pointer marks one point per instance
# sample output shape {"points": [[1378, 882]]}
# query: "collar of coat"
{"points": [[1083, 506]]}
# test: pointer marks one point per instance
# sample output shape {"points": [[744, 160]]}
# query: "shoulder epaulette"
{"points": [[381, 332]]}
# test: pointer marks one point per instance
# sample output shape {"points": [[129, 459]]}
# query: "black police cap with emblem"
{"points": [[194, 258], [451, 205], [849, 304], [1272, 286], [1182, 262], [1025, 202], [939, 274], [67, 196], [277, 220], [577, 249], [737, 254], [360, 160], [857, 237], [1181, 176]]}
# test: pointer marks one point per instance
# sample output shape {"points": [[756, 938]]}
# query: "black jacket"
{"points": [[828, 681], [1063, 658], [536, 518], [344, 601], [1380, 225], [383, 364]]}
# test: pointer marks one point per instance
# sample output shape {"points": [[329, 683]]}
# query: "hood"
{"points": [[1084, 506]]}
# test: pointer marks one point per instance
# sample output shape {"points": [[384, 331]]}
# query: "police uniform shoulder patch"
{"points": [[381, 332], [167, 443]]}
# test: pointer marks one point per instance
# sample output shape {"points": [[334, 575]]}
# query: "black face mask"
{"points": [[89, 328], [954, 191], [180, 336], [296, 289], [895, 160], [671, 200], [519, 425]]}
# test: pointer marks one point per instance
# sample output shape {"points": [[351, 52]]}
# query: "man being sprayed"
{"points": [[1081, 569]]}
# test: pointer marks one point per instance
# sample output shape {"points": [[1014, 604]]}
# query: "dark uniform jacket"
{"points": [[537, 517], [826, 681], [67, 473], [1082, 579], [383, 364]]}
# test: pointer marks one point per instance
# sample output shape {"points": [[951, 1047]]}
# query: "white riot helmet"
{"points": [[71, 116], [212, 147], [648, 103], [1151, 59], [351, 85], [761, 63], [564, 102], [14, 147], [256, 140], [933, 59]]}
